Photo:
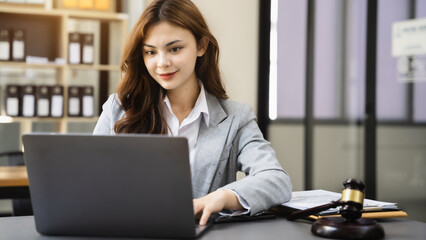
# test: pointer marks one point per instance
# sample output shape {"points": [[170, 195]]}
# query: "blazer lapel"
{"points": [[210, 144]]}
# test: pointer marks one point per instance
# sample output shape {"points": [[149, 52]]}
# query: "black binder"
{"points": [[87, 99], [18, 45], [74, 101], [74, 49], [43, 101], [56, 101], [13, 100], [28, 100], [4, 45], [87, 49]]}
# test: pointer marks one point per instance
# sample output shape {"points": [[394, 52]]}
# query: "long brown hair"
{"points": [[140, 95]]}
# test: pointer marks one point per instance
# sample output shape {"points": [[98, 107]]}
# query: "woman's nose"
{"points": [[163, 60]]}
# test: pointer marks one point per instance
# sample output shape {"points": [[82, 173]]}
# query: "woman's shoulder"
{"points": [[235, 108], [113, 100], [113, 104], [232, 104]]}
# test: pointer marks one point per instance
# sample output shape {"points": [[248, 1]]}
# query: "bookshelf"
{"points": [[47, 35]]}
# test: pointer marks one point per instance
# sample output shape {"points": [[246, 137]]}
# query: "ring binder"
{"points": [[74, 101], [87, 101], [28, 101], [4, 45], [74, 48], [43, 101], [13, 100], [57, 101], [87, 48], [18, 45]]}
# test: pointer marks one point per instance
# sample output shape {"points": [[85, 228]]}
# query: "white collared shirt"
{"points": [[191, 124]]}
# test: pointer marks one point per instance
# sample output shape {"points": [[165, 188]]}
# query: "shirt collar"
{"points": [[199, 107]]}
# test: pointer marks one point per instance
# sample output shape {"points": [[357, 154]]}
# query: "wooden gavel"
{"points": [[351, 202]]}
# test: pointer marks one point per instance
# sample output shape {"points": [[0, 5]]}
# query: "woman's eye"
{"points": [[150, 53], [175, 49]]}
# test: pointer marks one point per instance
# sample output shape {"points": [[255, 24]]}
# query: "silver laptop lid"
{"points": [[122, 185]]}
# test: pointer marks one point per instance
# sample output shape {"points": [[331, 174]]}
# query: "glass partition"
{"points": [[338, 38]]}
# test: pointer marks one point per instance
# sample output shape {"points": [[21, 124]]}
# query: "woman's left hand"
{"points": [[215, 202]]}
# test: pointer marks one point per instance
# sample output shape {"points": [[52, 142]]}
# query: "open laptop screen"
{"points": [[122, 185]]}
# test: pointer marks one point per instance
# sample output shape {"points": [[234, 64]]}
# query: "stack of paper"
{"points": [[302, 200]]}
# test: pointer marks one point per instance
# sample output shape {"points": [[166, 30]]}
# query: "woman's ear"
{"points": [[202, 46]]}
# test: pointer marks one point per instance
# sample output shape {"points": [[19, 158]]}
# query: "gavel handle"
{"points": [[310, 211]]}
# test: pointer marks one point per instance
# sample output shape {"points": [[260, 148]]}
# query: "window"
{"points": [[339, 62]]}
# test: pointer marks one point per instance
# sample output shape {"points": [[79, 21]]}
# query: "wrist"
{"points": [[230, 200]]}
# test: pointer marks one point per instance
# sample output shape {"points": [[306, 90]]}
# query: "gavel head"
{"points": [[352, 199]]}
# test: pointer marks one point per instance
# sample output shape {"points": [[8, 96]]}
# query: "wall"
{"points": [[235, 26]]}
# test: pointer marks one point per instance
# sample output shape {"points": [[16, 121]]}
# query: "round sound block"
{"points": [[337, 227]]}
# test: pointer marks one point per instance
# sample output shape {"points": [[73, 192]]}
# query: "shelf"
{"points": [[6, 8], [82, 119], [97, 15], [29, 65], [94, 67], [47, 34], [98, 67], [51, 119], [107, 16]]}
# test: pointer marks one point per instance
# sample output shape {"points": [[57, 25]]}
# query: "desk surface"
{"points": [[13, 176], [14, 228]]}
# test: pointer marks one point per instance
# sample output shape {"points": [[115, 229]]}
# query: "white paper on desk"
{"points": [[302, 200], [307, 199], [374, 203]]}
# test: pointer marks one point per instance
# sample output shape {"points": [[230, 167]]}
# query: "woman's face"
{"points": [[170, 53]]}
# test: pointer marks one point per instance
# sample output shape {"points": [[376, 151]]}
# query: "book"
{"points": [[302, 200]]}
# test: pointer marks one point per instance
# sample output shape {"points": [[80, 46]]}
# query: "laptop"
{"points": [[110, 186]]}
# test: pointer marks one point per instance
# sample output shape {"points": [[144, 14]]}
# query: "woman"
{"points": [[172, 85]]}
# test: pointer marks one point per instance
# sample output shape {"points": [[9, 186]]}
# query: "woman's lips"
{"points": [[167, 76]]}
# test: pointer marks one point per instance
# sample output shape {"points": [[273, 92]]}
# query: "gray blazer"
{"points": [[232, 142]]}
